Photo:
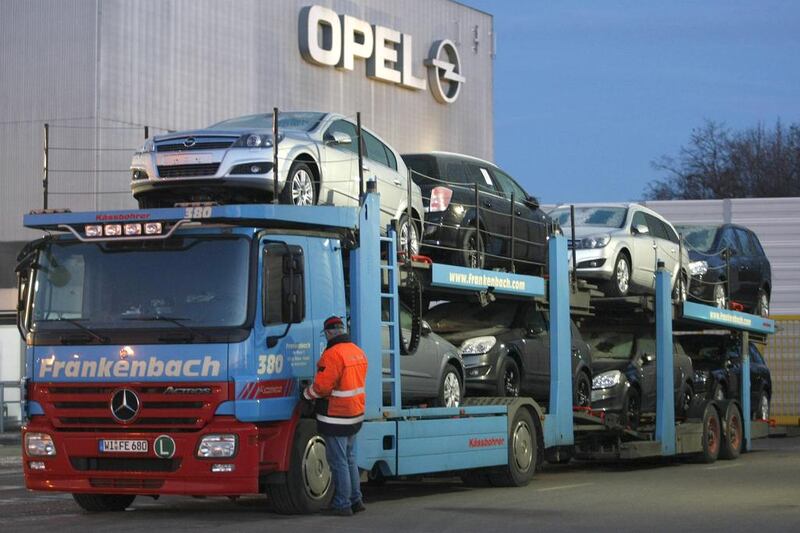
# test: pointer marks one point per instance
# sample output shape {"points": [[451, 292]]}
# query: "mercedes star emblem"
{"points": [[124, 405]]}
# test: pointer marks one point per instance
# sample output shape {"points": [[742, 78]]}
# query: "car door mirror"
{"points": [[338, 138], [425, 329], [532, 202], [640, 229]]}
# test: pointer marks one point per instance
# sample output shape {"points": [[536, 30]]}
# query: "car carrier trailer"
{"points": [[116, 413]]}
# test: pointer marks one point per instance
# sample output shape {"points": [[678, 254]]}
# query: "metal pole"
{"points": [[2, 408], [727, 285], [410, 220], [680, 270], [574, 273], [745, 389], [146, 132], [477, 225], [360, 158], [512, 232], [46, 174], [275, 156]]}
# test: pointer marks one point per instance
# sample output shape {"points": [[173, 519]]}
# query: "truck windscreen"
{"points": [[188, 283]]}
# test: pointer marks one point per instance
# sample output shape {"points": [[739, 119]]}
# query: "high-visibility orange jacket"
{"points": [[338, 388]]}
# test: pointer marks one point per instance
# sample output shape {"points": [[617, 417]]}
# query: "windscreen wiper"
{"points": [[96, 336], [178, 321]]}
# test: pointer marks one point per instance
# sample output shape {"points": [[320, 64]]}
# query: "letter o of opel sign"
{"points": [[332, 40]]}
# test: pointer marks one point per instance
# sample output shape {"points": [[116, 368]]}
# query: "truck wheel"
{"points": [[582, 395], [731, 444], [620, 282], [508, 378], [102, 503], [299, 188], [450, 390], [522, 453], [711, 435], [309, 485]]}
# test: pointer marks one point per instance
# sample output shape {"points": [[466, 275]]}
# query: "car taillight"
{"points": [[440, 199]]}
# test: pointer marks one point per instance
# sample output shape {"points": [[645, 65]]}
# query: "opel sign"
{"points": [[333, 40]]}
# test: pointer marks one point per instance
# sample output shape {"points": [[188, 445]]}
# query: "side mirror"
{"points": [[339, 137], [641, 229], [532, 202], [425, 329]]}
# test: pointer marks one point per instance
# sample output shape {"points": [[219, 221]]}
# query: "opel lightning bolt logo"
{"points": [[124, 405], [189, 142], [444, 71]]}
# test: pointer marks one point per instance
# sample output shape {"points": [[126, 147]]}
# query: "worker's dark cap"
{"points": [[333, 322]]}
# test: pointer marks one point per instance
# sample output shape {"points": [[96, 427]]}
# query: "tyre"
{"points": [[309, 485], [687, 395], [405, 232], [720, 297], [450, 389], [508, 378], [582, 393], [762, 306], [522, 453], [680, 292], [711, 437], [731, 445], [102, 503], [762, 407], [620, 282], [299, 188], [472, 250], [632, 408]]}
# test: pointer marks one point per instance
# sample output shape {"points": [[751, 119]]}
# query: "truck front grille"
{"points": [[124, 464], [122, 483]]}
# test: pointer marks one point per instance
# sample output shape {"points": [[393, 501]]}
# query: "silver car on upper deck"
{"points": [[232, 161], [619, 246]]}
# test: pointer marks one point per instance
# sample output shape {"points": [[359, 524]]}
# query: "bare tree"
{"points": [[719, 163]]}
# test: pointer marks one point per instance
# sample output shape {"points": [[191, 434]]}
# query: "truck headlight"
{"points": [[698, 268], [217, 446], [39, 445], [477, 345], [607, 379]]}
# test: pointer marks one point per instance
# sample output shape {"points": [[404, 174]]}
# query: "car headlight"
{"points": [[217, 446], [39, 445], [594, 242], [477, 345], [148, 146], [698, 268], [256, 140], [607, 379]]}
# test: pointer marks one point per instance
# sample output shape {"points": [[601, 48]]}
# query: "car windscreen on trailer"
{"points": [[286, 121], [609, 345], [605, 217], [699, 238], [190, 282], [452, 317]]}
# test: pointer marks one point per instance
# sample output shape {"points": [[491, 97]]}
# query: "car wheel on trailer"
{"points": [[762, 307], [101, 503], [450, 390], [522, 453], [508, 378], [720, 298], [762, 407], [731, 444], [407, 230], [620, 282], [687, 395], [582, 395], [632, 408], [299, 188], [308, 486], [680, 292], [712, 434], [472, 249]]}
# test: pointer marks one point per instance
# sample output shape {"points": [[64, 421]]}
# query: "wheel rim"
{"points": [[522, 445], [633, 410], [583, 393], [405, 229], [734, 431], [687, 400], [763, 305], [316, 472], [302, 188], [683, 292], [764, 407], [623, 276], [511, 381], [719, 297], [712, 434], [475, 252], [452, 390]]}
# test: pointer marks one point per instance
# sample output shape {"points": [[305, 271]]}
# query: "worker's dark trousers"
{"points": [[341, 453]]}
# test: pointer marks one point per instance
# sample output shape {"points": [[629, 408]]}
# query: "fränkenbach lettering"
{"points": [[115, 368]]}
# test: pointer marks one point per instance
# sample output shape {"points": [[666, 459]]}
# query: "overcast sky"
{"points": [[588, 93]]}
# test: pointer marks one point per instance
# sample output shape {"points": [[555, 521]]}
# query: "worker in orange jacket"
{"points": [[338, 392]]}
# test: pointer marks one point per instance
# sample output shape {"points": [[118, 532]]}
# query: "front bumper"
{"points": [[79, 466], [481, 372], [596, 263], [610, 400]]}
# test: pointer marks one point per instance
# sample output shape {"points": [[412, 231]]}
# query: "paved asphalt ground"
{"points": [[758, 492]]}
